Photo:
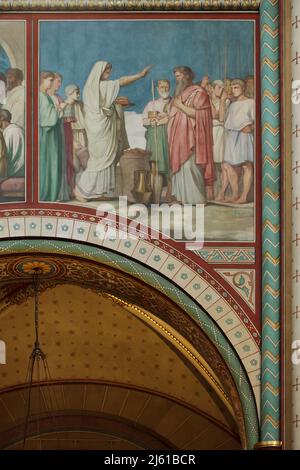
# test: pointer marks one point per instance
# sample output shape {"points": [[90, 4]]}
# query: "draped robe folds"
{"points": [[15, 145], [188, 135], [239, 146], [2, 93], [68, 135], [79, 134], [102, 125], [64, 192], [51, 147], [219, 131], [3, 156], [156, 136], [15, 104]]}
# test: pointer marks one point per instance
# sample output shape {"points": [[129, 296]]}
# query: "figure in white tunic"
{"points": [[15, 145], [15, 98], [219, 106], [239, 147], [104, 124]]}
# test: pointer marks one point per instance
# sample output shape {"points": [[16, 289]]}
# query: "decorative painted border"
{"points": [[270, 83], [293, 310], [232, 255], [243, 282], [178, 296], [269, 12], [159, 254], [131, 5]]}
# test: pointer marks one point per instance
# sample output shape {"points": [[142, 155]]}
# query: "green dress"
{"points": [[51, 150], [157, 144]]}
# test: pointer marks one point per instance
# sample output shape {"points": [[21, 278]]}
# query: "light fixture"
{"points": [[38, 370]]}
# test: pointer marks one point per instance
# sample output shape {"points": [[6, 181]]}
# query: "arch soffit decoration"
{"points": [[139, 345], [106, 269], [187, 270], [17, 294]]}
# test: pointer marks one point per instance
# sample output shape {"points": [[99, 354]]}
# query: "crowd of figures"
{"points": [[200, 140], [12, 124], [81, 142], [61, 136]]}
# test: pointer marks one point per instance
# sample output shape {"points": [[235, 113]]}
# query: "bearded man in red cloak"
{"points": [[190, 140]]}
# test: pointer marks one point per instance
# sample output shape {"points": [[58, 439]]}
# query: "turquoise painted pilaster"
{"points": [[178, 296], [270, 76]]}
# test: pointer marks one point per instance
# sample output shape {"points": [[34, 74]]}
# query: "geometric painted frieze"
{"points": [[239, 330], [157, 255], [105, 278], [227, 255]]}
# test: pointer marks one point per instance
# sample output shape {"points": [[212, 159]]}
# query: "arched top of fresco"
{"points": [[103, 269]]}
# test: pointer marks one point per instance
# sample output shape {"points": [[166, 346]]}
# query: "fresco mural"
{"points": [[160, 111], [12, 111]]}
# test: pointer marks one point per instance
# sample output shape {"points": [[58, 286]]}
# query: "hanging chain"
{"points": [[36, 354], [36, 284]]}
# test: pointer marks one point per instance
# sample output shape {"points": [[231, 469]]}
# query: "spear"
{"points": [[155, 134], [225, 60], [239, 59], [152, 89]]}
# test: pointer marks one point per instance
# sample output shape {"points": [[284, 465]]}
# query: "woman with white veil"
{"points": [[103, 124]]}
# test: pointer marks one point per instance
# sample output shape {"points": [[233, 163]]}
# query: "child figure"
{"points": [[74, 114]]}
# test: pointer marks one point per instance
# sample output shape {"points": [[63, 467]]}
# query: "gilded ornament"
{"points": [[130, 5]]}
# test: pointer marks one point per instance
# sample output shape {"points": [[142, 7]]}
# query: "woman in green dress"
{"points": [[50, 140]]}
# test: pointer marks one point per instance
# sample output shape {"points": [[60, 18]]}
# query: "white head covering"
{"points": [[91, 90], [70, 88], [100, 123]]}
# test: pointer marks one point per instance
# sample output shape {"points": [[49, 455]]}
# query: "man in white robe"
{"points": [[15, 98], [220, 103], [219, 106], [239, 145], [15, 145], [74, 112], [104, 123]]}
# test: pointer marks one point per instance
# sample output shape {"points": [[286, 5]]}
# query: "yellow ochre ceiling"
{"points": [[90, 339]]}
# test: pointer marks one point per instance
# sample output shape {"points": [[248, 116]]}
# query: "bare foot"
{"points": [[241, 200], [210, 193], [78, 196], [220, 198], [232, 199], [172, 200], [168, 200]]}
